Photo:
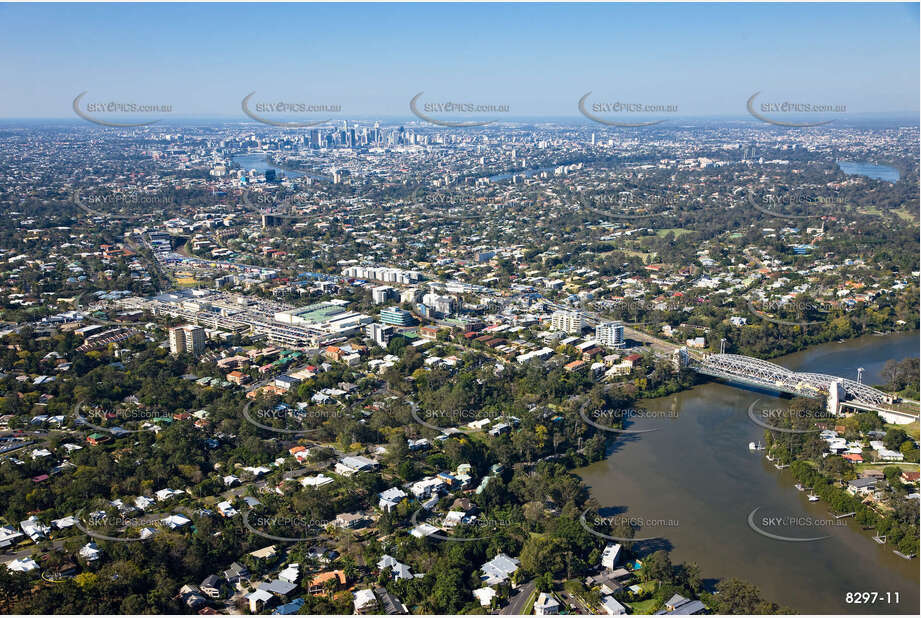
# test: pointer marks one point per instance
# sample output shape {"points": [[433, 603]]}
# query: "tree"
{"points": [[738, 597], [894, 438], [542, 555]]}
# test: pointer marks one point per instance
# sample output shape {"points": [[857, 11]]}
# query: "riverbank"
{"points": [[695, 469]]}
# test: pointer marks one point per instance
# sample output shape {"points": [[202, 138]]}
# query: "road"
{"points": [[518, 600], [574, 601]]}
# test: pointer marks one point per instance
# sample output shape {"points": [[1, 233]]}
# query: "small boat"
{"points": [[755, 447], [901, 555], [799, 487], [813, 498]]}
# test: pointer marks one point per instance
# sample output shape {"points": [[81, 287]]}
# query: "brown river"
{"points": [[694, 482]]}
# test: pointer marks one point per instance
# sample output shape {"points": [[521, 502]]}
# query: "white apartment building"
{"points": [[568, 321], [610, 334], [382, 273], [381, 293]]}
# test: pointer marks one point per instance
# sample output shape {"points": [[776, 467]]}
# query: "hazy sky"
{"points": [[537, 58]]}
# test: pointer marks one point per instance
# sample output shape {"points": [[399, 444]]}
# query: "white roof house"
{"points": [[364, 600], [226, 509], [90, 552], [175, 521], [427, 487], [34, 528], [352, 464], [498, 569], [317, 481], [423, 530], [611, 607], [546, 605], [484, 595], [398, 570], [9, 535], [290, 573], [258, 597], [166, 494], [22, 565], [390, 498], [143, 502]]}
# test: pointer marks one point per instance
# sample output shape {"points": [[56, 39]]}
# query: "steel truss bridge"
{"points": [[763, 374]]}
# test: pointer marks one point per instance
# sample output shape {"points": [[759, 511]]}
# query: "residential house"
{"points": [[485, 595], [259, 599], [678, 605], [546, 605], [236, 572], [192, 597], [499, 569], [390, 498], [611, 607], [322, 582], [398, 570], [364, 601], [349, 465], [350, 520], [861, 486], [390, 604], [211, 586]]}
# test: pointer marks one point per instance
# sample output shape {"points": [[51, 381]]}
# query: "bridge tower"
{"points": [[680, 358], [836, 395]]}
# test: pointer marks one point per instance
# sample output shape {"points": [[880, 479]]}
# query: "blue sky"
{"points": [[538, 58]]}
